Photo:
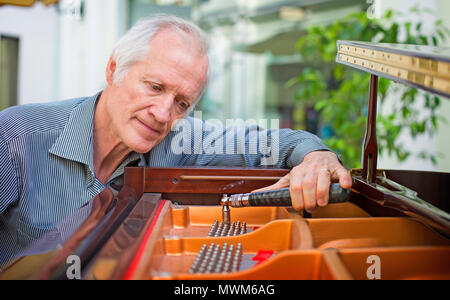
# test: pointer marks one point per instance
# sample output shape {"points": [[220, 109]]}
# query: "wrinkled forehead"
{"points": [[182, 48]]}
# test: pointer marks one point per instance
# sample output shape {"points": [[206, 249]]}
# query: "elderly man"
{"points": [[56, 157]]}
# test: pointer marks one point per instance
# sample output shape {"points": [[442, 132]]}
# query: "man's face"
{"points": [[157, 91]]}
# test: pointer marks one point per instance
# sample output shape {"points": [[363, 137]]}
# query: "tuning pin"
{"points": [[243, 228], [213, 228], [219, 230], [200, 257]]}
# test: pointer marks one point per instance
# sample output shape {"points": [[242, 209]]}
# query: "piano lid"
{"points": [[423, 67]]}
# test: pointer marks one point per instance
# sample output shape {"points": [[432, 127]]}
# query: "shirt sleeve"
{"points": [[9, 191], [211, 144]]}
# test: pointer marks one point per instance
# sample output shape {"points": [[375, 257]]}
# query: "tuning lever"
{"points": [[281, 197]]}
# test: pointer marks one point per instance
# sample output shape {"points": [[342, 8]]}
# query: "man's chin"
{"points": [[142, 150], [146, 147]]}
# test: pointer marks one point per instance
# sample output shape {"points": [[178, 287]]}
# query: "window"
{"points": [[9, 62]]}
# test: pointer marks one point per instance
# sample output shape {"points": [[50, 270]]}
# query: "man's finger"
{"points": [[345, 180], [323, 187], [296, 189], [309, 185]]}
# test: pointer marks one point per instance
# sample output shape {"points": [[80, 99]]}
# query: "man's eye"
{"points": [[156, 88], [183, 104]]}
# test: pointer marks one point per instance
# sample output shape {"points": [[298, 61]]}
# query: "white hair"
{"points": [[134, 46]]}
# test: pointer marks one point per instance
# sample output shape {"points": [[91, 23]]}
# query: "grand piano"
{"points": [[167, 223]]}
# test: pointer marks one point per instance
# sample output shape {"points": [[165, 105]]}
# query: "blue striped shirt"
{"points": [[47, 171]]}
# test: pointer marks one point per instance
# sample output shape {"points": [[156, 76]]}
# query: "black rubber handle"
{"points": [[282, 197]]}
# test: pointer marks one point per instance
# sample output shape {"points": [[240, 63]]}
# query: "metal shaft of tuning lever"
{"points": [[280, 197], [226, 218]]}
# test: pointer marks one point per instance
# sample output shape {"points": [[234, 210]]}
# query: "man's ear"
{"points": [[110, 70]]}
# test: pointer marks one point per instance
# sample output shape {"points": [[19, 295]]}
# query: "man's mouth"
{"points": [[150, 128]]}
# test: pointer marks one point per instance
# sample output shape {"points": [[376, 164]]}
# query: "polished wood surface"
{"points": [[370, 146], [388, 198], [107, 213], [46, 269], [194, 185], [433, 187], [120, 252]]}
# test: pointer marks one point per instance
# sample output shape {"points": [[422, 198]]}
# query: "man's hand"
{"points": [[310, 181]]}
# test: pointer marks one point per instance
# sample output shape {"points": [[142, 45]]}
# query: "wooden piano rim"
{"points": [[136, 265]]}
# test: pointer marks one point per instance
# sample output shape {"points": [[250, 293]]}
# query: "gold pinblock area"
{"points": [[335, 243]]}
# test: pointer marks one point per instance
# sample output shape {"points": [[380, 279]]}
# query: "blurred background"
{"points": [[270, 59]]}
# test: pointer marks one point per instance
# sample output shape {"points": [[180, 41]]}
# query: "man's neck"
{"points": [[109, 151]]}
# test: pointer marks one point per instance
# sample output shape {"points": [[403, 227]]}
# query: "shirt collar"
{"points": [[75, 141]]}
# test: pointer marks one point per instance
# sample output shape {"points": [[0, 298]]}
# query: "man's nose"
{"points": [[161, 110]]}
